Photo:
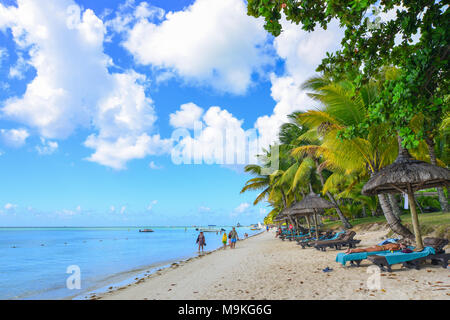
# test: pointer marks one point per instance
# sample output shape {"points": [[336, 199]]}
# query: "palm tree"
{"points": [[363, 156]]}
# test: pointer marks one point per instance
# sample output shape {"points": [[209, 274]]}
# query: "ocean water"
{"points": [[34, 261]]}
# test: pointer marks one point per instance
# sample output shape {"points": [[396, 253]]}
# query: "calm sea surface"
{"points": [[34, 261]]}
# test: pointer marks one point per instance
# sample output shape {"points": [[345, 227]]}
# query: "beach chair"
{"points": [[434, 251], [356, 258], [329, 235], [345, 239]]}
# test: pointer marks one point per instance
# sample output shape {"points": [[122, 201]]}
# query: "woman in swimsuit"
{"points": [[201, 241]]}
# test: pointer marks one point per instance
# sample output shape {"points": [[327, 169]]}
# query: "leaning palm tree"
{"points": [[364, 156]]}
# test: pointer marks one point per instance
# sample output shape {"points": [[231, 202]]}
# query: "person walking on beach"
{"points": [[234, 237], [224, 240], [201, 241]]}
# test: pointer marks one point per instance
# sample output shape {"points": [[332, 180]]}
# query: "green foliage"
{"points": [[369, 45]]}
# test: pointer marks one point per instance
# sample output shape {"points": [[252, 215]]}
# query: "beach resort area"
{"points": [[236, 153], [264, 267]]}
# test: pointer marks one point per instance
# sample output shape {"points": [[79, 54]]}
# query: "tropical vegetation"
{"points": [[376, 92]]}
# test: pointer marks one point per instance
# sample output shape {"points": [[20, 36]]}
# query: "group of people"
{"points": [[232, 237]]}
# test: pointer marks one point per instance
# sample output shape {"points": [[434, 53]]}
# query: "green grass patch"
{"points": [[439, 221]]}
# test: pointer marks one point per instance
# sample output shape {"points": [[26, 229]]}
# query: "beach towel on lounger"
{"points": [[399, 257], [343, 257]]}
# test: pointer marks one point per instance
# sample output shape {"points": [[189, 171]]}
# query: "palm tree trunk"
{"points": [[441, 195], [344, 220], [392, 220], [394, 205], [364, 213]]}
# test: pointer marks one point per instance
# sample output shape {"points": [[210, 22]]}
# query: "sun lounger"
{"points": [[345, 239], [356, 258], [326, 237], [434, 251]]}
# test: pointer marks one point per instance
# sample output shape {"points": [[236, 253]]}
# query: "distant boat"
{"points": [[238, 224], [208, 229], [256, 227], [146, 230]]}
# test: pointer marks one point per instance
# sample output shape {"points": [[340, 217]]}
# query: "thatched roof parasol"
{"points": [[406, 172], [311, 202], [407, 175]]}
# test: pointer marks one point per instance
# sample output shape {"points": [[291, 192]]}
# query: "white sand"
{"points": [[263, 267]]}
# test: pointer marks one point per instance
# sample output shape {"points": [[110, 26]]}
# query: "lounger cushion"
{"points": [[399, 257]]}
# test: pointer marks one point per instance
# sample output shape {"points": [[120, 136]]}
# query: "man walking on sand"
{"points": [[234, 237]]}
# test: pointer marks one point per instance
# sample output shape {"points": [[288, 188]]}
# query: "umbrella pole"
{"points": [[309, 225], [415, 219], [315, 223]]}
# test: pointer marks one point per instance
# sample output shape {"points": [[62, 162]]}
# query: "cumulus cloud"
{"points": [[211, 42], [47, 147], [3, 55], [302, 52], [218, 137], [73, 87], [154, 166], [10, 206], [14, 137], [188, 114], [242, 207]]}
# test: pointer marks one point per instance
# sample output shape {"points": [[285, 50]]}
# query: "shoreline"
{"points": [[143, 273], [264, 267]]}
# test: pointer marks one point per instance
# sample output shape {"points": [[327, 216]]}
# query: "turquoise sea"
{"points": [[34, 261]]}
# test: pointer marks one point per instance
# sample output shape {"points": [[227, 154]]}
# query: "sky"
{"points": [[115, 113]]}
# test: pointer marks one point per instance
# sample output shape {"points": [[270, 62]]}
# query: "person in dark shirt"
{"points": [[201, 241]]}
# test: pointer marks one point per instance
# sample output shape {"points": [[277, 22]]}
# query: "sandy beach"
{"points": [[263, 267]]}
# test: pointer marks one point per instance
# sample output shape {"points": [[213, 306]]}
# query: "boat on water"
{"points": [[146, 230], [209, 229], [257, 227]]}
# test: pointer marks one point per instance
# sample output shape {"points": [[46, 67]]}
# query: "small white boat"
{"points": [[209, 229]]}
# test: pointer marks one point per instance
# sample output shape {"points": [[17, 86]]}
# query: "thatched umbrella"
{"points": [[312, 202], [302, 213], [407, 175]]}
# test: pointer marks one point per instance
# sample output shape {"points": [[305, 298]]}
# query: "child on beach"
{"points": [[201, 241], [224, 240]]}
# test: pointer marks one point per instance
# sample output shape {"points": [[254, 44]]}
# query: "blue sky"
{"points": [[91, 93]]}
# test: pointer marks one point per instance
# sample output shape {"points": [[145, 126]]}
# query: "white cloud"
{"points": [[18, 70], [73, 87], [218, 138], [123, 209], [242, 207], [302, 52], [116, 152], [151, 205], [211, 42], [10, 206], [188, 114], [154, 166], [204, 209], [14, 137], [47, 147], [3, 55]]}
